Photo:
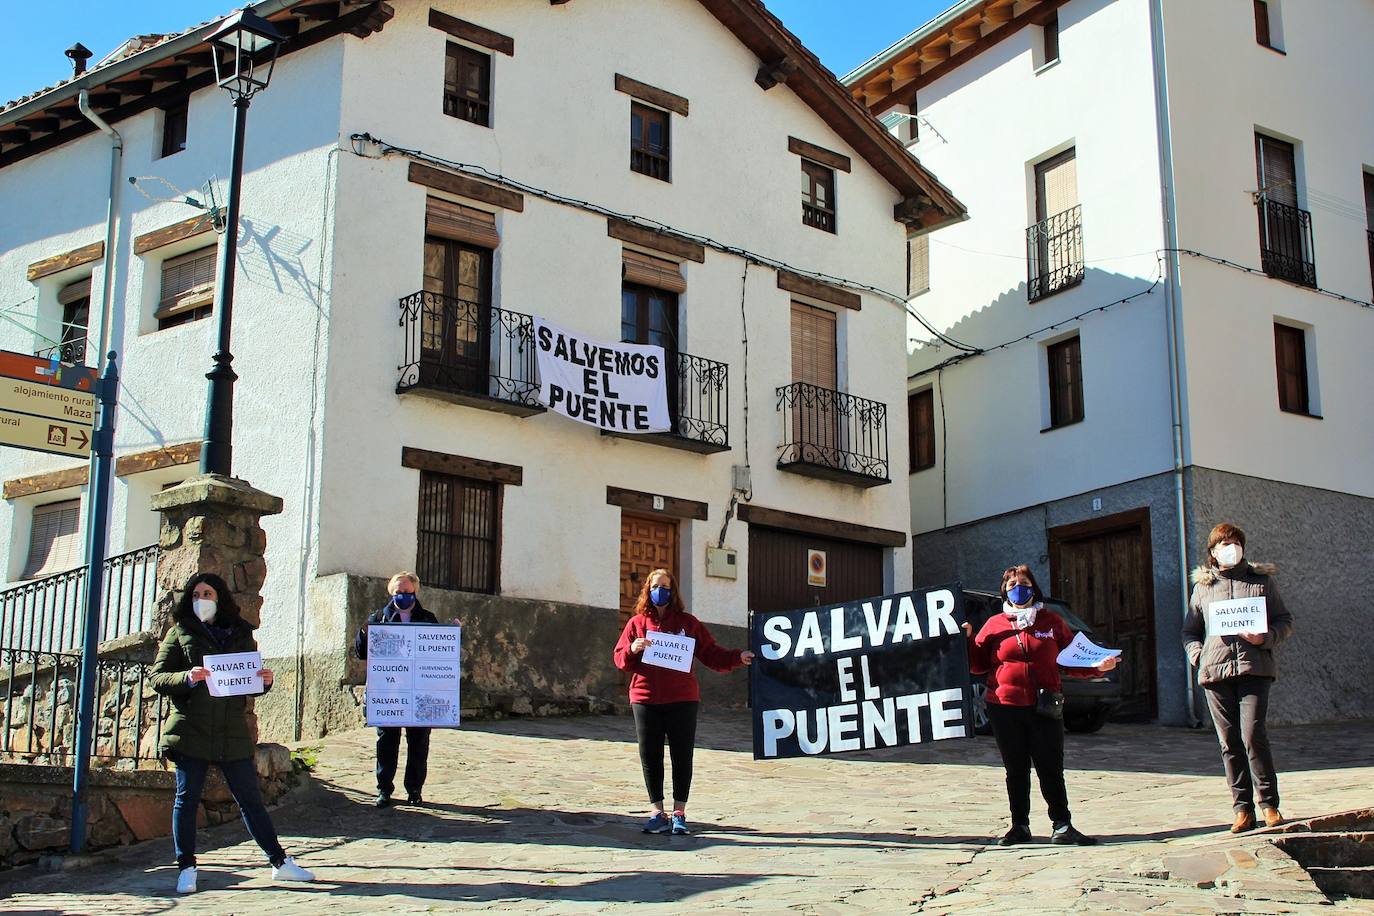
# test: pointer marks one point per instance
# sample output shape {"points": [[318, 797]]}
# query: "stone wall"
{"points": [[125, 805], [520, 657]]}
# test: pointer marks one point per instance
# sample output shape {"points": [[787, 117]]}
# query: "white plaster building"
{"points": [[1169, 153], [419, 179]]}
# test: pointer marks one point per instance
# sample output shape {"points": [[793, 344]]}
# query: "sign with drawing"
{"points": [[413, 673]]}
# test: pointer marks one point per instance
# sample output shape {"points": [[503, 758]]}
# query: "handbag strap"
{"points": [[1030, 666]]}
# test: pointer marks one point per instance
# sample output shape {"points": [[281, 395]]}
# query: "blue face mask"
{"points": [[1020, 594], [403, 600], [660, 595]]}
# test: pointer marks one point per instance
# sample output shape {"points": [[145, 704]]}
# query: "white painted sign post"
{"points": [[668, 651], [234, 674], [413, 672], [1084, 653], [1236, 616]]}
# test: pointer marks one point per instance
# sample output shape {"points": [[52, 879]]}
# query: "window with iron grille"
{"points": [[174, 128], [920, 408], [1066, 382], [1290, 359], [649, 143], [75, 299], [467, 84], [188, 288], [459, 533], [54, 539], [818, 195], [1285, 228]]}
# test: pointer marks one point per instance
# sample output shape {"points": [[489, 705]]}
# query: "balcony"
{"points": [[698, 403], [72, 349], [1054, 254], [832, 435], [469, 353], [1286, 242]]}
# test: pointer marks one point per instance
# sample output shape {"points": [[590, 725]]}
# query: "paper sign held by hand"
{"points": [[1237, 616], [234, 674], [1084, 653], [668, 651]]}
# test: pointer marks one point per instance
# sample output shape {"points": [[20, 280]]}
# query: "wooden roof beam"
{"points": [[776, 71]]}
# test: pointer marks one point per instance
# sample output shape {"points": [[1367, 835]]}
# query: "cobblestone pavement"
{"points": [[542, 816]]}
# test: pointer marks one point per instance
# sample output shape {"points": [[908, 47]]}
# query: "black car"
{"points": [[1088, 701]]}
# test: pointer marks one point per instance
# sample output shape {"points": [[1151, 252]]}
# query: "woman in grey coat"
{"points": [[1238, 669]]}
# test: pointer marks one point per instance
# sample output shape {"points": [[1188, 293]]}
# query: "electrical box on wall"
{"points": [[722, 562]]}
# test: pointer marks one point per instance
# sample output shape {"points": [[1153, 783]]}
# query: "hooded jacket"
{"points": [[199, 725], [1218, 658], [652, 684]]}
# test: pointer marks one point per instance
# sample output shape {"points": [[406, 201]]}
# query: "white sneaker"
{"points": [[290, 871], [186, 881]]}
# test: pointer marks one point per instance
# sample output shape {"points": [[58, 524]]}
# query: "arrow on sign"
{"points": [[82, 440]]}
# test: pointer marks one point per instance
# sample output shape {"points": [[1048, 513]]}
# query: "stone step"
{"points": [[1337, 850], [1344, 882]]}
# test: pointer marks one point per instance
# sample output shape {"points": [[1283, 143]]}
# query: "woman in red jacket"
{"points": [[1018, 650], [665, 701]]}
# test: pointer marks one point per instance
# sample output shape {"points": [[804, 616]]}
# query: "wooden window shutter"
{"points": [[448, 220], [75, 292], [1262, 23], [647, 270], [1056, 185], [1369, 200], [188, 282], [813, 346], [921, 440], [918, 265], [1276, 169], [54, 539], [1066, 382], [1290, 359]]}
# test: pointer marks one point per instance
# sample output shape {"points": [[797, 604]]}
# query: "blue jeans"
{"points": [[242, 777]]}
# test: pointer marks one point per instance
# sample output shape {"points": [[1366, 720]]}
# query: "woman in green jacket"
{"points": [[204, 730]]}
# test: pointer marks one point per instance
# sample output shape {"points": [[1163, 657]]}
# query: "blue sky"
{"points": [[843, 33]]}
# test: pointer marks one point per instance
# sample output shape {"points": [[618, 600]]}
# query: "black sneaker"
{"points": [[382, 800], [414, 798], [1019, 833], [1068, 835]]}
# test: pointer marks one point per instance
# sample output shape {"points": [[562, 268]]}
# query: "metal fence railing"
{"points": [[1054, 254], [1286, 242], [837, 434], [44, 615]]}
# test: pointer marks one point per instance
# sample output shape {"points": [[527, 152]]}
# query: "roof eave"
{"points": [[885, 56]]}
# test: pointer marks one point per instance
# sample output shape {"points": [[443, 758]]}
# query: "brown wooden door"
{"points": [[778, 570], [814, 418], [646, 544], [1104, 569]]}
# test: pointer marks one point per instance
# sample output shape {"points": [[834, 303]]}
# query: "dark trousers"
{"points": [[1024, 738], [677, 722], [1239, 706], [242, 777], [417, 759]]}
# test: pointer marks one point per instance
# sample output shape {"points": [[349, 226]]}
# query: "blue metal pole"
{"points": [[97, 536]]}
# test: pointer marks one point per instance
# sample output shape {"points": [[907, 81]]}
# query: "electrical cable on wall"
{"points": [[735, 492], [1225, 262], [387, 148]]}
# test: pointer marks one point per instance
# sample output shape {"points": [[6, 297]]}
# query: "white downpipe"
{"points": [[111, 215], [1173, 294]]}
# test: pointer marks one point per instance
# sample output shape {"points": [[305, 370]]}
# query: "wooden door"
{"points": [[646, 543], [814, 421], [1104, 569], [778, 570]]}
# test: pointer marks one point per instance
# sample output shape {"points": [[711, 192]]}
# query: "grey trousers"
{"points": [[1239, 706]]}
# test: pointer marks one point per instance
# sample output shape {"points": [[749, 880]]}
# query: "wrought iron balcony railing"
{"points": [[1286, 242], [1054, 254], [72, 349], [45, 615], [832, 435], [469, 352], [699, 404]]}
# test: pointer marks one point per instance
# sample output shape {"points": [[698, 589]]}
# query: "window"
{"points": [[458, 533], [174, 128], [54, 539], [648, 316], [1290, 358], [1285, 229], [1066, 382], [649, 141], [456, 326], [1054, 245], [1369, 218], [467, 84], [75, 299], [818, 195], [920, 408], [917, 265], [188, 288], [913, 123], [1051, 34]]}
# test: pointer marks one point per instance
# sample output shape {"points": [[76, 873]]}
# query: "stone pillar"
{"points": [[212, 524]]}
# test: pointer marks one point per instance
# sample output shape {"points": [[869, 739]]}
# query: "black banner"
{"points": [[881, 672]]}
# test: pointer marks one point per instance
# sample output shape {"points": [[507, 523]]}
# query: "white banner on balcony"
{"points": [[618, 387]]}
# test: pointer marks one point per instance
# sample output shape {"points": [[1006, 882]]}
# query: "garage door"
{"points": [[782, 570]]}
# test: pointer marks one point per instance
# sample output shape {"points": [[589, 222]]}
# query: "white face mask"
{"points": [[204, 608], [1228, 555]]}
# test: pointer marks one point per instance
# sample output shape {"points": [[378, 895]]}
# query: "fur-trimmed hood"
{"points": [[1206, 575]]}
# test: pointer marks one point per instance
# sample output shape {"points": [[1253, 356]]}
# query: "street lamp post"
{"points": [[245, 51]]}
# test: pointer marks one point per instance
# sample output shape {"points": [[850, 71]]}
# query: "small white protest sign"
{"points": [[1236, 616], [1084, 653], [234, 674], [668, 651]]}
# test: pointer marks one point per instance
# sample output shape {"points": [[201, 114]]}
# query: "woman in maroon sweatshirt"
{"points": [[1018, 650], [665, 701]]}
